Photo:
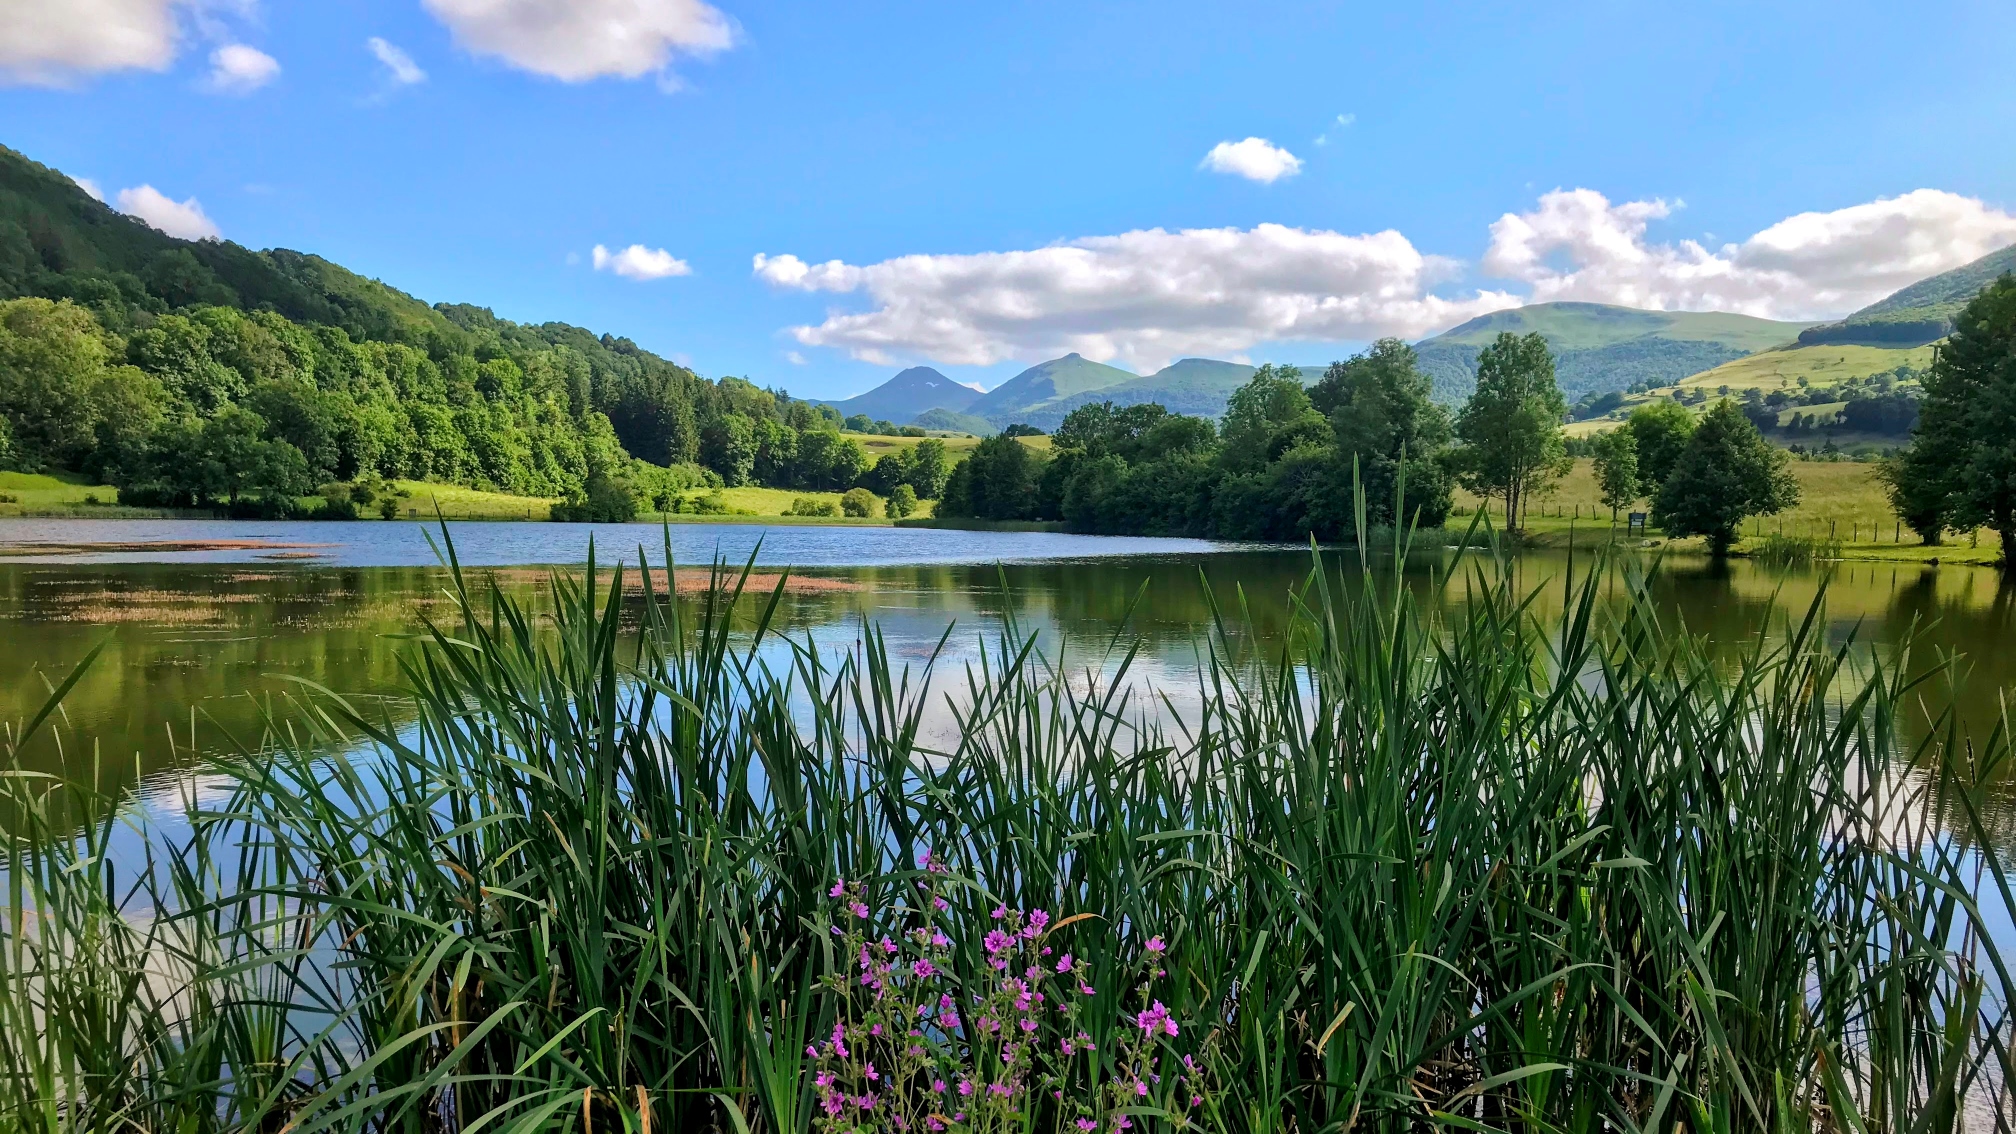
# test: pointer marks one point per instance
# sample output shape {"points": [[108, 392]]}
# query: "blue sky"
{"points": [[871, 132]]}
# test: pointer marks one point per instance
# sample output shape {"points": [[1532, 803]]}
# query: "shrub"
{"points": [[902, 502], [388, 508], [807, 506], [857, 502]]}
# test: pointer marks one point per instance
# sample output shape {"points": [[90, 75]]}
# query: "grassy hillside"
{"points": [[1599, 348], [1013, 400], [944, 419], [1195, 386], [1838, 500], [1919, 314]]}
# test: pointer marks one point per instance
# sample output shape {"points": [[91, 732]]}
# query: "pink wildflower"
{"points": [[923, 969], [1156, 945], [1064, 963], [838, 889]]}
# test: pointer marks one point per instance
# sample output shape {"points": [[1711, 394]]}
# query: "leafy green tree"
{"points": [[176, 350], [902, 501], [1379, 411], [888, 471], [1265, 418], [1659, 430], [857, 502], [1921, 488], [996, 481], [128, 405], [1511, 427], [52, 356], [728, 446], [1727, 473], [1617, 469], [1102, 428], [928, 468], [1960, 470]]}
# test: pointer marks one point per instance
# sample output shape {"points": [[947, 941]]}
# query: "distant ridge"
{"points": [[1017, 398], [908, 394], [1599, 347], [1916, 315]]}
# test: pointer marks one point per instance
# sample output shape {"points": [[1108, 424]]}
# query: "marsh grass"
{"points": [[1418, 867]]}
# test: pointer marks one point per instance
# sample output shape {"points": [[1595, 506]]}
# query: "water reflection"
{"points": [[197, 653]]}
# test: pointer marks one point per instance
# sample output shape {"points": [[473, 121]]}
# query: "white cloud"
{"points": [[237, 68], [1578, 245], [1143, 297], [1343, 122], [90, 187], [1255, 159], [578, 40], [640, 263], [56, 42], [794, 358], [789, 271], [398, 64], [184, 219]]}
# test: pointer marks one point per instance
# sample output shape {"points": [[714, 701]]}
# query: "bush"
{"points": [[901, 502], [605, 501], [858, 502], [388, 508], [806, 506]]}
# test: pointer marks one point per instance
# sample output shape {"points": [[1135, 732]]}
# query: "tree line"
{"points": [[249, 411], [205, 374], [1287, 462]]}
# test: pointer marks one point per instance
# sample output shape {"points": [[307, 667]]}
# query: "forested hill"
{"points": [[204, 373], [1919, 314], [1599, 347]]}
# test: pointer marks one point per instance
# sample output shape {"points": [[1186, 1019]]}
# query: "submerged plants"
{"points": [[1406, 867]]}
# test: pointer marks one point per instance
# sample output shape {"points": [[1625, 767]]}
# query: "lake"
{"points": [[202, 641]]}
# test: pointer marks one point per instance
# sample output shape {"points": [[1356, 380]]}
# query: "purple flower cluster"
{"points": [[916, 1047]]}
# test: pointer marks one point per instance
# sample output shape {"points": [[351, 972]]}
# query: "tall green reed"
{"points": [[1446, 865]]}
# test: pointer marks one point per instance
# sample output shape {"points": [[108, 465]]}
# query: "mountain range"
{"points": [[1597, 347]]}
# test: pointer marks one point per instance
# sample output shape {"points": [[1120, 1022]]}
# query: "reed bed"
{"points": [[1413, 867]]}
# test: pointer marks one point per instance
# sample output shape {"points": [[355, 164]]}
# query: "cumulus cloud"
{"points": [[640, 263], [398, 65], [183, 219], [578, 40], [1579, 245], [56, 42], [789, 271], [1255, 159], [90, 187], [1144, 297], [237, 68]]}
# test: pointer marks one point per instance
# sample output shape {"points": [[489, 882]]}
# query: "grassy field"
{"points": [[1839, 500], [956, 447], [1819, 365], [1774, 370], [62, 494]]}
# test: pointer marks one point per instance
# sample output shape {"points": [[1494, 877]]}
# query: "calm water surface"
{"points": [[212, 636]]}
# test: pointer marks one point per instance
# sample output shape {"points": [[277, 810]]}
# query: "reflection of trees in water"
{"points": [[220, 640]]}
